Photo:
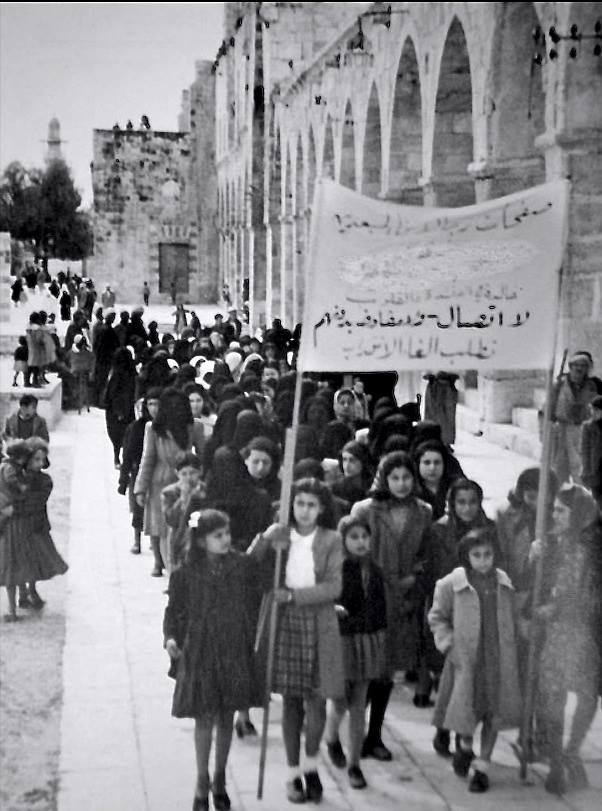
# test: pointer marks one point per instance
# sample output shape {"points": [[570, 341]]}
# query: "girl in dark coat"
{"points": [[209, 633], [362, 614], [119, 399]]}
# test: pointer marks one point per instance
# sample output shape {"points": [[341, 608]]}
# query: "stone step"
{"points": [[472, 399], [507, 436], [527, 419]]}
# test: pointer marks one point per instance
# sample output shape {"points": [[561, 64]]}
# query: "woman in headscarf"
{"points": [[119, 399], [172, 431]]}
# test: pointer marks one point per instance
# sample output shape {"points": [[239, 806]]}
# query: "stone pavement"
{"points": [[122, 751]]}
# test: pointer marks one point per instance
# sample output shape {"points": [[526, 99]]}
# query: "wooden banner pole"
{"points": [[285, 505], [526, 729]]}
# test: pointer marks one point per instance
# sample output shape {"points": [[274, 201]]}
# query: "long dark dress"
{"points": [[27, 551], [211, 614], [119, 407]]}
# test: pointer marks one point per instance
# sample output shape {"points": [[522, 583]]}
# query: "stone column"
{"points": [[577, 154], [493, 180], [269, 275], [450, 191]]}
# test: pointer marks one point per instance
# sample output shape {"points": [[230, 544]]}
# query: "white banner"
{"points": [[394, 287]]}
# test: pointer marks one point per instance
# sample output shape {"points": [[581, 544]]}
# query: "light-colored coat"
{"points": [[455, 620], [328, 566], [158, 469]]}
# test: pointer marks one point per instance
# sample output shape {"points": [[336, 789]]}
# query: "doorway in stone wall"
{"points": [[173, 264]]}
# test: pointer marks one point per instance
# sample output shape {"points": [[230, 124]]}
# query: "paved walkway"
{"points": [[122, 751]]}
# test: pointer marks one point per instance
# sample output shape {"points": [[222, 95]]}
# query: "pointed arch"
{"points": [[372, 163], [405, 164], [453, 142], [347, 174]]}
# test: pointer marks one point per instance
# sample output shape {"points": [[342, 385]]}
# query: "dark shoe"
{"points": [[479, 782], [221, 801], [555, 782], [441, 742], [200, 804], [295, 791], [11, 618], [377, 750], [575, 772], [157, 572], [336, 754], [356, 777], [461, 761], [249, 728], [313, 787], [36, 601], [423, 701]]}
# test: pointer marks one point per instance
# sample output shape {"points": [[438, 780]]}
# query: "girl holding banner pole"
{"points": [[308, 665]]}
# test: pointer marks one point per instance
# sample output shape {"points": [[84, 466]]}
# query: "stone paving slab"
{"points": [[121, 749]]}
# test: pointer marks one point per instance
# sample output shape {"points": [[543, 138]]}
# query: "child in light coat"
{"points": [[473, 622]]}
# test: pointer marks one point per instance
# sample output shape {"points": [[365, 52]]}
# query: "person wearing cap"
{"points": [[571, 399]]}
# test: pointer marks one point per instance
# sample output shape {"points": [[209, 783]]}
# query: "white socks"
{"points": [[310, 764]]}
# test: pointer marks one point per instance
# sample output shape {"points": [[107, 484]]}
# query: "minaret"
{"points": [[54, 152]]}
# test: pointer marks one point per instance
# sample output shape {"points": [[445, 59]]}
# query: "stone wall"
{"points": [[155, 189], [442, 106]]}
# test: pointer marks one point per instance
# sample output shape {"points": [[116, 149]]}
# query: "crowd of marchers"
{"points": [[390, 562]]}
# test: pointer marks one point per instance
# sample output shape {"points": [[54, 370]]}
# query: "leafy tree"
{"points": [[42, 207]]}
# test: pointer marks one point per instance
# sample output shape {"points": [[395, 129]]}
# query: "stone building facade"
{"points": [[432, 104], [155, 199]]}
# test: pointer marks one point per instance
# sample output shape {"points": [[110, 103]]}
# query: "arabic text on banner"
{"points": [[404, 287]]}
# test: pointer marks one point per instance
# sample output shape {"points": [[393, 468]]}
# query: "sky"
{"points": [[94, 64]]}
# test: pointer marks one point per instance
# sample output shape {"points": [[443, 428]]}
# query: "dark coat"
{"points": [[133, 445], [231, 488], [36, 427], [212, 617], [367, 609]]}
